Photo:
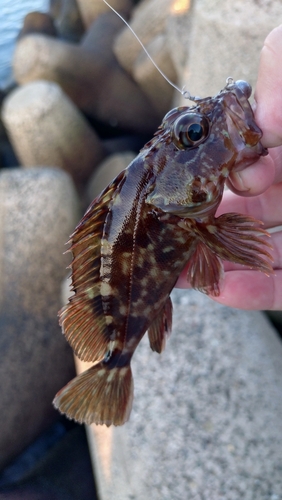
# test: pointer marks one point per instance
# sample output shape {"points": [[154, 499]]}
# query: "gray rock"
{"points": [[148, 20], [89, 74], [223, 39], [152, 82], [206, 420], [46, 128], [67, 19], [38, 22], [106, 172], [91, 10], [38, 211]]}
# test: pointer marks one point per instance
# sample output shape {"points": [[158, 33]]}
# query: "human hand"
{"points": [[260, 190]]}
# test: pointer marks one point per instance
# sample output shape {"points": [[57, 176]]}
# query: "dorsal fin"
{"points": [[82, 319]]}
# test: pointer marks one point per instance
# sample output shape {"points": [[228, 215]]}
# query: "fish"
{"points": [[157, 217]]}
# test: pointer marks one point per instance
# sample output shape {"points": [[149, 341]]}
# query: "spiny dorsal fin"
{"points": [[82, 319]]}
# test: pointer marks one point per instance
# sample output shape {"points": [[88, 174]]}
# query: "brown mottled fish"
{"points": [[139, 234]]}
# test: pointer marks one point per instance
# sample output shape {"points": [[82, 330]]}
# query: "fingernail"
{"points": [[237, 182]]}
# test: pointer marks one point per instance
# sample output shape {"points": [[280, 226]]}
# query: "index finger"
{"points": [[266, 207]]}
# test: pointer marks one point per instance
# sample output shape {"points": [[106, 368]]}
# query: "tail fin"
{"points": [[100, 395]]}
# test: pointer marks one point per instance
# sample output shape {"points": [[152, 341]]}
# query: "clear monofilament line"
{"points": [[183, 92]]}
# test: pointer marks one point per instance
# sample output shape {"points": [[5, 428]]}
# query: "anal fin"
{"points": [[160, 329]]}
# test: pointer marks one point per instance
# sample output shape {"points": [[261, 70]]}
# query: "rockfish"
{"points": [[139, 234]]}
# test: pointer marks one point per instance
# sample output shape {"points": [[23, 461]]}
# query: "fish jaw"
{"points": [[245, 137]]}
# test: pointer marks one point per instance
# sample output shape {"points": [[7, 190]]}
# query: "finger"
{"points": [[266, 207], [268, 92], [251, 290], [255, 179], [268, 95], [258, 177], [247, 289]]}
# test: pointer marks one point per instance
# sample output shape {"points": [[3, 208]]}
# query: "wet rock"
{"points": [[106, 172], [206, 416], [56, 466], [68, 19], [45, 128], [90, 10], [38, 22], [89, 74], [38, 210]]}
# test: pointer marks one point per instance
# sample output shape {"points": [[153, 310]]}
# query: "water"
{"points": [[12, 13]]}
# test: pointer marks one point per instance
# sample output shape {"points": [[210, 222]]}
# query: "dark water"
{"points": [[12, 13]]}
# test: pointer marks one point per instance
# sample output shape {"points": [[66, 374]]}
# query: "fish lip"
{"points": [[249, 155], [244, 133]]}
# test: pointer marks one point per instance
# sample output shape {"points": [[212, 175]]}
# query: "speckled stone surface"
{"points": [[107, 171], [46, 128], [206, 421], [222, 39], [38, 211]]}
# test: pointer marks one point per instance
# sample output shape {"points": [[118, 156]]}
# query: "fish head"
{"points": [[197, 147]]}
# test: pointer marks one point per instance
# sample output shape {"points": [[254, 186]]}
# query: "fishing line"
{"points": [[183, 92]]}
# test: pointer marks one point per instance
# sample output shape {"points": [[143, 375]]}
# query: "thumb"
{"points": [[268, 94]]}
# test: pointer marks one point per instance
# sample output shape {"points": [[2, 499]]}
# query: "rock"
{"points": [[148, 20], [90, 10], [150, 80], [178, 32], [56, 470], [206, 420], [124, 143], [89, 74], [68, 19], [45, 128], [38, 22], [38, 211], [226, 40], [106, 172]]}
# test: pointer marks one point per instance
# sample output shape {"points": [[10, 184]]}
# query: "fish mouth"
{"points": [[249, 155], [245, 136]]}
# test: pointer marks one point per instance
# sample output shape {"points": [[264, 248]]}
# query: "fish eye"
{"points": [[190, 130]]}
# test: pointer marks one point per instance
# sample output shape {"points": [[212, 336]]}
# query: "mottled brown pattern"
{"points": [[138, 235]]}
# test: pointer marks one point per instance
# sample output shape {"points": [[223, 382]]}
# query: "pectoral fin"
{"points": [[238, 238]]}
